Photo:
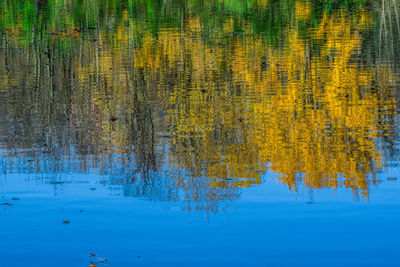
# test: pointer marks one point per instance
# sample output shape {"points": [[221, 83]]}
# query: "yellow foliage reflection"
{"points": [[232, 107], [312, 115]]}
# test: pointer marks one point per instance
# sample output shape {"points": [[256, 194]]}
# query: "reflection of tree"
{"points": [[88, 111], [387, 12], [141, 106], [315, 112]]}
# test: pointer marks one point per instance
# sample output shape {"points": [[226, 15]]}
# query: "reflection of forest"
{"points": [[227, 107]]}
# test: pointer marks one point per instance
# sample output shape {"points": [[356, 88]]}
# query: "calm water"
{"points": [[197, 133]]}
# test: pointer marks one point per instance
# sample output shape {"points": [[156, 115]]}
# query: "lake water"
{"points": [[199, 133]]}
